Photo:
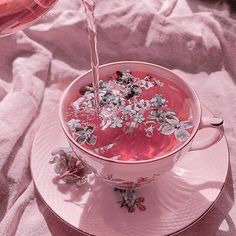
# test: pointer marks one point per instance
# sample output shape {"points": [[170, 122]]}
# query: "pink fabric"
{"points": [[195, 39]]}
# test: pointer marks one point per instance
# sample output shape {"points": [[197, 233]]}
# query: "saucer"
{"points": [[175, 201]]}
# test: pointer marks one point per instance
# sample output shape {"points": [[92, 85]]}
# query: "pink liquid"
{"points": [[132, 140], [89, 6], [18, 14]]}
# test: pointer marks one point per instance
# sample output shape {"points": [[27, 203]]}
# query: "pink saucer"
{"points": [[174, 202]]}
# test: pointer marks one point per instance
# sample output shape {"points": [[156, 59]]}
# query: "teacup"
{"points": [[130, 173]]}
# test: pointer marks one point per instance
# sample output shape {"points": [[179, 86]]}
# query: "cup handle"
{"points": [[209, 122]]}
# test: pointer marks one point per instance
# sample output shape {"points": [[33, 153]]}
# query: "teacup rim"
{"points": [[161, 157]]}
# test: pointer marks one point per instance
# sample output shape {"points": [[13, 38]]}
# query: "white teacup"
{"points": [[132, 174]]}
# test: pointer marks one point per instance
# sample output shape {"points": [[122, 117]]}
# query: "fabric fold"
{"points": [[194, 38]]}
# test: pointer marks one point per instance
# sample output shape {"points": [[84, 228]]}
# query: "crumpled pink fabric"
{"points": [[195, 39]]}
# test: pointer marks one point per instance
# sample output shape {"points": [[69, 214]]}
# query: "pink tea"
{"points": [[141, 116]]}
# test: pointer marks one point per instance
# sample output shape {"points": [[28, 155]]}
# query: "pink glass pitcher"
{"points": [[19, 14]]}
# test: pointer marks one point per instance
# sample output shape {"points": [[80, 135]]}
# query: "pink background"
{"points": [[195, 39]]}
